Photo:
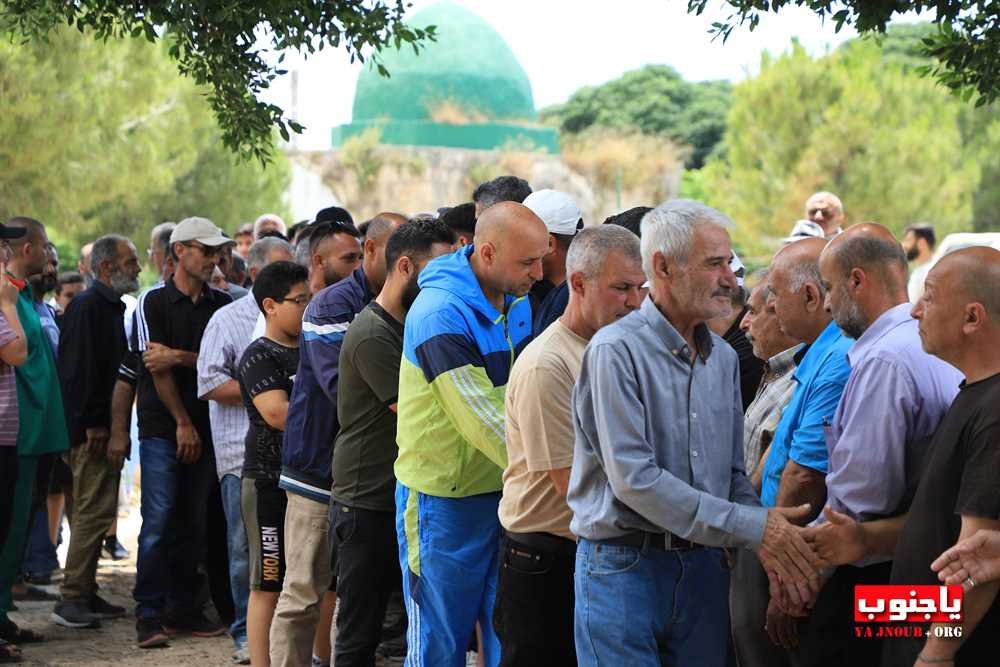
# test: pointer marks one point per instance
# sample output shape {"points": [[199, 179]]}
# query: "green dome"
{"points": [[469, 68]]}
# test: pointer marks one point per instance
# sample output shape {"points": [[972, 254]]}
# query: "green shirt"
{"points": [[366, 450], [40, 407]]}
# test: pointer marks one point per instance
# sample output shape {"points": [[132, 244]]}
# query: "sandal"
{"points": [[10, 632], [9, 653]]}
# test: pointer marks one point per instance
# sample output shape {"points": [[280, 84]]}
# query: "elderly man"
{"points": [[749, 586], [892, 403], [956, 498], [826, 210], [91, 348], [534, 612], [267, 225], [462, 335], [657, 480], [226, 338]]}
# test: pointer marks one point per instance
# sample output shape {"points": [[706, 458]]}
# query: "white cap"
{"points": [[201, 230], [557, 210], [804, 229], [737, 267]]}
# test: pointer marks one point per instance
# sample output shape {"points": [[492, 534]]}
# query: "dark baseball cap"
{"points": [[9, 233]]}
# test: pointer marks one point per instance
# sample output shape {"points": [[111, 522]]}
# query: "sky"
{"points": [[564, 45]]}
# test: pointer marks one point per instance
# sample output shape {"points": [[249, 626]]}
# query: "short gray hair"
{"points": [[669, 229], [591, 247], [268, 217], [104, 248], [262, 249], [805, 271]]}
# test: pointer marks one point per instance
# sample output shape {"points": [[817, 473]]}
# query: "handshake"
{"points": [[794, 557]]}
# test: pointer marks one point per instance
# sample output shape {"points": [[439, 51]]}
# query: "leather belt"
{"points": [[642, 540]]}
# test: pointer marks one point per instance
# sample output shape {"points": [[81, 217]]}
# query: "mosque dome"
{"points": [[464, 90], [469, 67]]}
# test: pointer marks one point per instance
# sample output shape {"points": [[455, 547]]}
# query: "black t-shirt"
{"points": [[550, 309], [961, 477], [365, 451], [265, 366], [168, 316]]}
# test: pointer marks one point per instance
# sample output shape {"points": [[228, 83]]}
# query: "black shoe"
{"points": [[39, 579], [113, 549], [74, 614], [149, 633], [101, 608], [193, 622]]}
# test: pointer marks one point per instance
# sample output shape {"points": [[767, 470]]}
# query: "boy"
{"points": [[266, 372]]}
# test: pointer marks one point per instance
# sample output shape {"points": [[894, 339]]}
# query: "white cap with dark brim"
{"points": [[557, 210]]}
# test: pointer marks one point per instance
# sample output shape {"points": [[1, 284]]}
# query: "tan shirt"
{"points": [[540, 432]]}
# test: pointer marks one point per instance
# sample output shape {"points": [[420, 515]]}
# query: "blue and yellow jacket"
{"points": [[457, 353]]}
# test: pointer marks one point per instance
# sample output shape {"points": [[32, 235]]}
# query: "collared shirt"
{"points": [[764, 413], [659, 441], [226, 338], [892, 403], [820, 379], [167, 316], [8, 389], [91, 347]]}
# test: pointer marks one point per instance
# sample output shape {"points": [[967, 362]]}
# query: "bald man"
{"points": [[894, 398], [826, 210], [462, 334], [958, 493]]}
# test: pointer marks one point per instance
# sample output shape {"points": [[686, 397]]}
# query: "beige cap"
{"points": [[201, 230]]}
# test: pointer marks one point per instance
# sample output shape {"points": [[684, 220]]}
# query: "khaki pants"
{"points": [[307, 578], [95, 503]]}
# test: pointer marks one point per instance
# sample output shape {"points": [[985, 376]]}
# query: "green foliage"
{"points": [[229, 46], [100, 137], [965, 47], [887, 140], [654, 100]]}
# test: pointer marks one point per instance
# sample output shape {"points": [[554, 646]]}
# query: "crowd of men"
{"points": [[497, 428]]}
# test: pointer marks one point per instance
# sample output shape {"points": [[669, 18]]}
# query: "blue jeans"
{"points": [[239, 556], [40, 557], [172, 537], [650, 607]]}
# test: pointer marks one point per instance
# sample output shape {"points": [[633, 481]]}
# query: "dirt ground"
{"points": [[114, 642]]}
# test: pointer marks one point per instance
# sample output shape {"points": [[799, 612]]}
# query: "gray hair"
{"points": [[669, 229], [591, 247], [262, 249], [104, 248], [803, 272], [268, 217]]}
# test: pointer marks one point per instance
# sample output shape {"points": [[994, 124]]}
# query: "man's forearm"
{"points": [[121, 407], [227, 393], [186, 359], [166, 389], [801, 485], [880, 536]]}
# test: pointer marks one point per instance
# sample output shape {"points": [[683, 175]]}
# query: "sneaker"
{"points": [[149, 633], [241, 656], [41, 579], [194, 623], [101, 608], [74, 614], [114, 549]]}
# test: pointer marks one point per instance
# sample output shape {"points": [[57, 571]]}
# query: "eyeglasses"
{"points": [[207, 251], [301, 300]]}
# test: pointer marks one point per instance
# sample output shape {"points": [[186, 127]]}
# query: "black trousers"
{"points": [[367, 557], [8, 480], [533, 616], [826, 636]]}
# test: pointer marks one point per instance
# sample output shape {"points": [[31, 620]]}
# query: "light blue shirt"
{"points": [[659, 441], [892, 404], [820, 377]]}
